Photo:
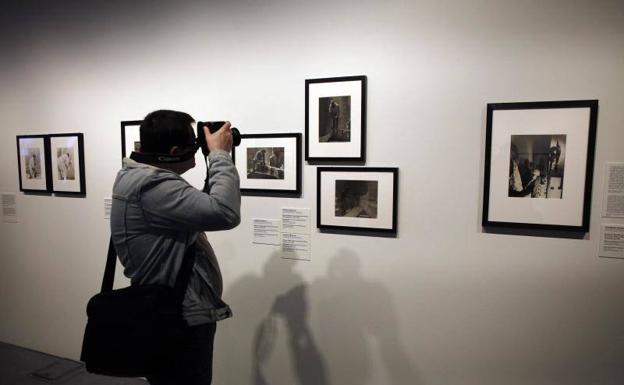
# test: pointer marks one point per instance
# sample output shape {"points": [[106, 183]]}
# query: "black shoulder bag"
{"points": [[132, 331]]}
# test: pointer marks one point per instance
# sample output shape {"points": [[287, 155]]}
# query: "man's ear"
{"points": [[173, 150]]}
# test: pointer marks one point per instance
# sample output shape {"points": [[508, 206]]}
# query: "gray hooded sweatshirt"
{"points": [[156, 215]]}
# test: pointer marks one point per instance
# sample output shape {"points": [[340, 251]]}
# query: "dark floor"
{"points": [[20, 366]]}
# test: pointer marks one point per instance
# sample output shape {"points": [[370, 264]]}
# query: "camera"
{"points": [[214, 127]]}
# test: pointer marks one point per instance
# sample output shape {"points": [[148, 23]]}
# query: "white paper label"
{"points": [[296, 246], [613, 200], [296, 220], [9, 208], [296, 233], [612, 241], [267, 231]]}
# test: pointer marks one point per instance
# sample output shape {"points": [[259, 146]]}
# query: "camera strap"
{"points": [[145, 157]]}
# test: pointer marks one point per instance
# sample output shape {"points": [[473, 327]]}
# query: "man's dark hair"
{"points": [[164, 129]]}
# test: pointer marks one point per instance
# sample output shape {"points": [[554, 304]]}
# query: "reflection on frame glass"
{"points": [[357, 199], [130, 137], [269, 164], [335, 122], [539, 165], [32, 159]]}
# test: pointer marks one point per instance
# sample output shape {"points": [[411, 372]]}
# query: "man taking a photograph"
{"points": [[156, 215]]}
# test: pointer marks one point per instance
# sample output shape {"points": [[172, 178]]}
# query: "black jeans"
{"points": [[193, 359]]}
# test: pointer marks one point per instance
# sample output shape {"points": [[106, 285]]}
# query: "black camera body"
{"points": [[214, 127]]}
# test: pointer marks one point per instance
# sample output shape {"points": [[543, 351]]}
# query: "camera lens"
{"points": [[236, 137]]}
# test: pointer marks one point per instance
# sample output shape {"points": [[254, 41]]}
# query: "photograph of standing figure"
{"points": [[32, 163], [32, 160], [335, 119], [65, 163], [536, 166]]}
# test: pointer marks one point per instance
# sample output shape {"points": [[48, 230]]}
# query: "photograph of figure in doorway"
{"points": [[536, 166], [335, 119], [356, 198], [65, 163], [265, 162], [32, 162]]}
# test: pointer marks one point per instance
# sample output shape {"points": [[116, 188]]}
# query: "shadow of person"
{"points": [[276, 302], [358, 327], [307, 363]]}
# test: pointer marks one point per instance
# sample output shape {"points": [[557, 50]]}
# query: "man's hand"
{"points": [[220, 140]]}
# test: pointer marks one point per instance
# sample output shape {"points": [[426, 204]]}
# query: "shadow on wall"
{"points": [[307, 364], [356, 320], [358, 326]]}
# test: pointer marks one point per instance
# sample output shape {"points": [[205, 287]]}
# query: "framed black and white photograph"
{"points": [[335, 119], [130, 137], [269, 164], [539, 162], [67, 164], [32, 160], [357, 199]]}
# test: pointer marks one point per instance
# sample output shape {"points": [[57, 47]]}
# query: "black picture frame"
{"points": [[325, 204], [293, 192], [583, 205], [78, 188], [45, 159], [313, 150], [125, 128]]}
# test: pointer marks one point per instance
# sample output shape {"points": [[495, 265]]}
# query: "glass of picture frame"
{"points": [[269, 164], [130, 137], [335, 119], [67, 163], [357, 199], [33, 163], [539, 159]]}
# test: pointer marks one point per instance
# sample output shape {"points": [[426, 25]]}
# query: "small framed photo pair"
{"points": [[130, 137], [335, 119], [269, 164], [67, 164], [539, 161], [33, 163], [359, 200]]}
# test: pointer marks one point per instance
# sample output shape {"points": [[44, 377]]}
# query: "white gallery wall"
{"points": [[444, 302]]}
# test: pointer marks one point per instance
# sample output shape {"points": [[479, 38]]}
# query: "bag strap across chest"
{"points": [[181, 280]]}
